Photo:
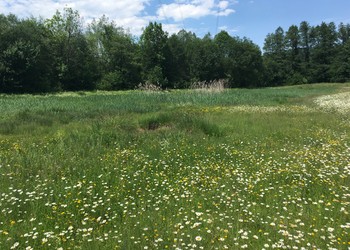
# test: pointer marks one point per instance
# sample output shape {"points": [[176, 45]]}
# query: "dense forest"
{"points": [[60, 54]]}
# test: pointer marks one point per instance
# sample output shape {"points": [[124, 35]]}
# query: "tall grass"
{"points": [[180, 170], [138, 101]]}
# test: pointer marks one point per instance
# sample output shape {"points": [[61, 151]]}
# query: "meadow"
{"points": [[184, 169]]}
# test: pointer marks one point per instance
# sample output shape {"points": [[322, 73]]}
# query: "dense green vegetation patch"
{"points": [[60, 54]]}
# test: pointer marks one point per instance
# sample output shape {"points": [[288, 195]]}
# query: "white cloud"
{"points": [[226, 12], [223, 4], [172, 28], [131, 14], [46, 8], [182, 9], [112, 8], [133, 24], [126, 13], [179, 12]]}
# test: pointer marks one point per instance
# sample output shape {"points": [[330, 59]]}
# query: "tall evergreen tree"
{"points": [[323, 51], [293, 42], [344, 33], [294, 57], [304, 33], [305, 48]]}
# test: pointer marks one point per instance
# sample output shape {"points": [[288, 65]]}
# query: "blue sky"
{"points": [[250, 18]]}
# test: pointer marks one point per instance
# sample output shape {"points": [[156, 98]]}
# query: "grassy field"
{"points": [[255, 169]]}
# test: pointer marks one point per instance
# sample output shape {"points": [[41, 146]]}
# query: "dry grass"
{"points": [[211, 86], [148, 86]]}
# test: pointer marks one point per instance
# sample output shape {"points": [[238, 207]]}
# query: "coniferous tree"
{"points": [[323, 51]]}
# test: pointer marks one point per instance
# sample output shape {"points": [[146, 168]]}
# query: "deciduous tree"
{"points": [[153, 44]]}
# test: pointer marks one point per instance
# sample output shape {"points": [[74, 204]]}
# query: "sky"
{"points": [[253, 19]]}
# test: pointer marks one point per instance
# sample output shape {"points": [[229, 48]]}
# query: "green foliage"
{"points": [[296, 79], [153, 43], [110, 81], [177, 62], [203, 59], [116, 54], [340, 68], [155, 76], [59, 54], [75, 65], [275, 58], [307, 54], [25, 64]]}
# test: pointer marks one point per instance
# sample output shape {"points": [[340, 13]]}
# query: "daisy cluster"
{"points": [[336, 102], [181, 194]]}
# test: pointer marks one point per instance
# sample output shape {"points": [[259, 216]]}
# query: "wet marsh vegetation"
{"points": [[255, 169]]}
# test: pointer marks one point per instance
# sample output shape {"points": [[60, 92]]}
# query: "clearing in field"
{"points": [[254, 169]]}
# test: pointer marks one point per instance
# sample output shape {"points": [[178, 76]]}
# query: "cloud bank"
{"points": [[131, 14]]}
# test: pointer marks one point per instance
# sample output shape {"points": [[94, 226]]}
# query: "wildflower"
{"points": [[198, 238], [196, 224], [199, 214], [15, 245]]}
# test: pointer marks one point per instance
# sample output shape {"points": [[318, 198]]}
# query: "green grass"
{"points": [[236, 169]]}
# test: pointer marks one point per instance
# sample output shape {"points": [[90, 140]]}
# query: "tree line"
{"points": [[59, 54], [308, 54]]}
